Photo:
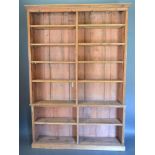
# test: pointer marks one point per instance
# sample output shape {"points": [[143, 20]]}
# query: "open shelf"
{"points": [[85, 143], [105, 17], [53, 93], [100, 81], [80, 26], [80, 81], [99, 121], [83, 140], [54, 103], [52, 44], [52, 26], [53, 62], [63, 103], [55, 133], [94, 62], [103, 141], [53, 54], [53, 81], [80, 44], [93, 116], [72, 62], [101, 44], [56, 139], [55, 120], [52, 18], [115, 104], [101, 25]]}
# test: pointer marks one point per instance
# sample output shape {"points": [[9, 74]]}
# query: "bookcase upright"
{"points": [[77, 75]]}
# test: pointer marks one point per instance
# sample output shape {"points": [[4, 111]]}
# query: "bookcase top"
{"points": [[78, 7]]}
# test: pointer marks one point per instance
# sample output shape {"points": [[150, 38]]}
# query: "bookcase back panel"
{"points": [[97, 112], [53, 71], [100, 53], [54, 112], [56, 140], [102, 71], [97, 131], [98, 91], [53, 91], [57, 18], [53, 53], [53, 36], [106, 35], [55, 130], [106, 17]]}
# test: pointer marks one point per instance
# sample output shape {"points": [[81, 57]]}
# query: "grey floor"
{"points": [[25, 149]]}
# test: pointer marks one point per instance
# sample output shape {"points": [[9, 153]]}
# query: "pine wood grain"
{"points": [[77, 74]]}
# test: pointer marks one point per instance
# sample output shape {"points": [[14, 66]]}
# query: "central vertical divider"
{"points": [[77, 107]]}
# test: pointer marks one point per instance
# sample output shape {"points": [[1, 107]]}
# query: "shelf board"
{"points": [[100, 81], [82, 121], [85, 143], [72, 103], [53, 62], [55, 120], [56, 140], [100, 44], [51, 26], [72, 62], [109, 104], [101, 25], [99, 121], [104, 141], [80, 44], [52, 44], [52, 81], [80, 26], [62, 103], [80, 81], [100, 62]]}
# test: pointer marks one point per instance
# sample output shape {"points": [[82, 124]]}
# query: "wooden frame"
{"points": [[77, 75]]}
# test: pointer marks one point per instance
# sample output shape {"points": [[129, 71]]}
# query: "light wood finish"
{"points": [[30, 75], [77, 75], [100, 81], [80, 26], [54, 139], [81, 44], [76, 55], [69, 62], [121, 135], [101, 103], [55, 103], [98, 140], [51, 26], [54, 81], [52, 62], [100, 62], [52, 44], [55, 120], [101, 25], [101, 44], [99, 121], [86, 143], [77, 7]]}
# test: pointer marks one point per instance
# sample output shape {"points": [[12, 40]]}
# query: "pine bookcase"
{"points": [[77, 75]]}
